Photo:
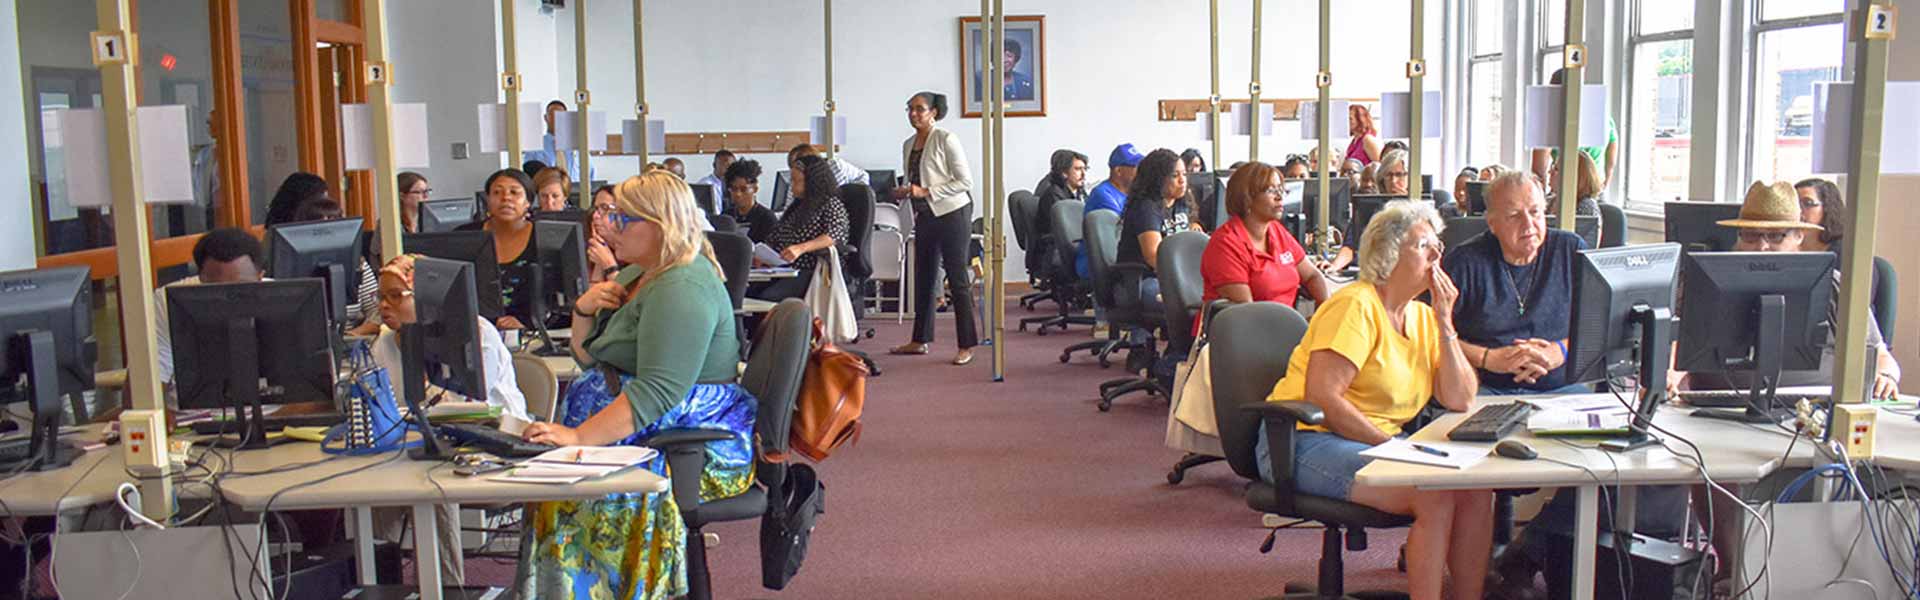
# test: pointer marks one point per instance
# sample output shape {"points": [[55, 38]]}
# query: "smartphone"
{"points": [[481, 468]]}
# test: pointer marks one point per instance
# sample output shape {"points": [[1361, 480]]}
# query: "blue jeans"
{"points": [[1323, 463]]}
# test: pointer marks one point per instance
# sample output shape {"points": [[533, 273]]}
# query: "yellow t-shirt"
{"points": [[1396, 371]]}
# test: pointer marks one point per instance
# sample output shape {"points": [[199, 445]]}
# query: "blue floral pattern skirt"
{"points": [[632, 546]]}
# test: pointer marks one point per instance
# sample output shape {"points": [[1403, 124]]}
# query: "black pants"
{"points": [[941, 242], [784, 288]]}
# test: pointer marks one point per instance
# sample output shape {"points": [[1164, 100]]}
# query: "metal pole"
{"points": [[582, 100], [640, 108], [996, 247], [1213, 98], [1324, 81], [1416, 79], [1852, 358], [1253, 89], [510, 55], [827, 10], [386, 193], [118, 86], [1570, 83]]}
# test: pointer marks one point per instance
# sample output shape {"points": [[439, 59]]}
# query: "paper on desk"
{"points": [[767, 255], [573, 464], [1459, 456], [1577, 403], [1568, 422]]}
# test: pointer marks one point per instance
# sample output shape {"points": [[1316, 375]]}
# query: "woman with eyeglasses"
{"points": [[1251, 258], [815, 222], [509, 221], [414, 189], [1821, 204], [660, 353], [940, 189], [1370, 360]]}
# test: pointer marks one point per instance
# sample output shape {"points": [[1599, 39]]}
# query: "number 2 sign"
{"points": [[1882, 19]]}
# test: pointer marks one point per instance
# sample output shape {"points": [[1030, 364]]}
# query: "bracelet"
{"points": [[577, 313], [1563, 349], [1483, 356]]}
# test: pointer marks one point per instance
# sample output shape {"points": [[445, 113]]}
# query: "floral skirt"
{"points": [[632, 546]]}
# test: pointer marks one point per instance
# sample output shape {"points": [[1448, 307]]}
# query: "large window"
{"points": [[1553, 39], [1485, 77], [1659, 132], [1798, 44]]}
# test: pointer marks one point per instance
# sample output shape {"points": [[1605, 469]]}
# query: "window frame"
{"points": [[1756, 29], [1475, 60], [1636, 39]]}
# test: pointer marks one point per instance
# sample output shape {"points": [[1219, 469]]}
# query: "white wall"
{"points": [[755, 65], [16, 234], [452, 75]]}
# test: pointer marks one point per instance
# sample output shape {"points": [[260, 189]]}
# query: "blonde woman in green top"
{"points": [[658, 344]]}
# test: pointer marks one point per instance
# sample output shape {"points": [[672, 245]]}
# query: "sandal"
{"points": [[964, 357], [909, 348]]}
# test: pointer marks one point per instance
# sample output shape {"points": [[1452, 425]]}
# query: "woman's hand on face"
{"points": [[551, 433], [1444, 294], [791, 253], [600, 255], [602, 296], [509, 323]]}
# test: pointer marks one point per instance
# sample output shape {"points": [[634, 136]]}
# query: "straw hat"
{"points": [[1774, 206]]}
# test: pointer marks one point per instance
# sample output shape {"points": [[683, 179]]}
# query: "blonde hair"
{"points": [[1380, 243], [662, 197], [550, 176]]}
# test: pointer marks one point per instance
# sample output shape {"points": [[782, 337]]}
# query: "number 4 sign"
{"points": [[109, 48], [1882, 19], [1576, 56]]}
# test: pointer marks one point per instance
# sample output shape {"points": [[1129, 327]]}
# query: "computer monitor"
{"points": [[442, 345], [467, 246], [703, 197], [1754, 312], [782, 191], [560, 273], [438, 216], [1210, 193], [1426, 182], [882, 182], [241, 345], [1461, 230], [1623, 325], [1477, 197], [46, 321], [1365, 206], [480, 204], [1696, 225], [331, 250], [1338, 215], [570, 215], [1585, 226]]}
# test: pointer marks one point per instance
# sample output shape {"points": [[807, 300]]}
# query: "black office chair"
{"points": [[856, 266], [735, 253], [722, 222], [1886, 297], [1118, 285], [1441, 197], [1208, 192], [1025, 210], [1182, 288], [1072, 296], [1613, 226], [772, 375], [1251, 344], [1103, 220]]}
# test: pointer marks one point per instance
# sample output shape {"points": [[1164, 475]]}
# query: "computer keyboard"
{"points": [[1737, 398], [494, 441], [273, 423], [1491, 422]]}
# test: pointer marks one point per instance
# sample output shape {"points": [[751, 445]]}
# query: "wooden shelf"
{"points": [[1284, 109], [740, 142]]}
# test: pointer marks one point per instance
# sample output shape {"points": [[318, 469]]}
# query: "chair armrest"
{"points": [[1280, 419], [667, 439], [686, 451], [1295, 411]]}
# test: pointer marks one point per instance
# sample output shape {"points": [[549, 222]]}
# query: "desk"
{"points": [[754, 306], [90, 480], [1735, 453], [766, 275]]}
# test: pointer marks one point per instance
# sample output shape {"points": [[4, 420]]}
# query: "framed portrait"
{"points": [[1025, 59]]}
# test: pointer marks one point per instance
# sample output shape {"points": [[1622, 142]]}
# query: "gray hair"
{"points": [[1380, 243], [1513, 179], [1387, 161]]}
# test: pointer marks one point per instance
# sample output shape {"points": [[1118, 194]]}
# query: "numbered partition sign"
{"points": [[109, 48], [1882, 21]]}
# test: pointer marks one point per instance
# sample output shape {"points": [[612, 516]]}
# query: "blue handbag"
{"points": [[373, 424]]}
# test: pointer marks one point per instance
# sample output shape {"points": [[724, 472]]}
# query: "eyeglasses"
{"points": [[1434, 244], [1770, 236], [1397, 174], [425, 192], [618, 219], [395, 295]]}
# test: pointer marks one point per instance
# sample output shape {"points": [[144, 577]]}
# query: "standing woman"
{"points": [[940, 186], [816, 221], [659, 351], [1820, 204], [508, 220], [414, 189], [1366, 138]]}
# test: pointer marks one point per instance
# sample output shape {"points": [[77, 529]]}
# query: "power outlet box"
{"points": [[1854, 428], [143, 437]]}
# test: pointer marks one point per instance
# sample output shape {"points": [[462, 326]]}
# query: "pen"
{"points": [[1431, 450], [577, 454]]}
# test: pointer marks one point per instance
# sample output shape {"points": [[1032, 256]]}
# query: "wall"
{"points": [[16, 234], [1899, 217], [441, 71]]}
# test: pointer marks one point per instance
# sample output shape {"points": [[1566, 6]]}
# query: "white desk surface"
{"points": [[90, 480], [1734, 453], [759, 276]]}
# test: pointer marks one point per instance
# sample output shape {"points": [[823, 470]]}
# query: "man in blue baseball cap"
{"points": [[1112, 193]]}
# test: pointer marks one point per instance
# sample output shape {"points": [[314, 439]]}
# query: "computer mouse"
{"points": [[1515, 449]]}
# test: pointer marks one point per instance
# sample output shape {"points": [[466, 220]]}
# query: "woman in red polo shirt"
{"points": [[1251, 258]]}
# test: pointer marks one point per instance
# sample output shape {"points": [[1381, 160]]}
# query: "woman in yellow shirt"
{"points": [[1371, 358]]}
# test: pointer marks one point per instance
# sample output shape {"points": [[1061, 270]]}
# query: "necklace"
{"points": [[1518, 295]]}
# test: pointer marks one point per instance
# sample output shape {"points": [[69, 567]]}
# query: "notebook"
{"points": [[1441, 454]]}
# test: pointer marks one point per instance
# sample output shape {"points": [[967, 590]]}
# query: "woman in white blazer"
{"points": [[940, 190]]}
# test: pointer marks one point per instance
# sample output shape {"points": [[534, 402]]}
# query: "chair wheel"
{"points": [[1106, 405], [1023, 327], [1065, 356], [1175, 476]]}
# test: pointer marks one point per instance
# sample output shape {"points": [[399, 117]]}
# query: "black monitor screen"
{"points": [[331, 250], [1696, 225], [292, 350], [560, 248], [782, 191], [1607, 288], [1586, 226], [1720, 307], [467, 246], [444, 215], [447, 319], [58, 301], [703, 196], [1338, 215], [1365, 206]]}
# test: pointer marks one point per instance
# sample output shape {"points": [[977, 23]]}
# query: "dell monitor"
{"points": [[703, 197], [46, 320], [442, 345], [241, 345], [1754, 314], [1477, 197], [331, 250], [782, 191], [1696, 225], [560, 273], [469, 246], [439, 216], [1338, 215], [1623, 325]]}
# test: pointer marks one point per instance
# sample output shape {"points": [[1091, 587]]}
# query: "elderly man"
{"points": [[1516, 287]]}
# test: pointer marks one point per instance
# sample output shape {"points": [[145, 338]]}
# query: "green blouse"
{"points": [[673, 333]]}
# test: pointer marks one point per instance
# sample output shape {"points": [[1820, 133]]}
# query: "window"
{"points": [[1798, 44], [1553, 38], [1658, 141], [1485, 74]]}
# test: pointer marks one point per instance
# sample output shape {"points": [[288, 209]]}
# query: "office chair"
{"points": [[1613, 226], [1251, 344], [1118, 284], [1440, 197], [735, 253], [1460, 230], [1071, 294], [1886, 297], [721, 222], [1181, 289], [1102, 220], [1025, 208], [773, 372], [855, 254], [538, 384]]}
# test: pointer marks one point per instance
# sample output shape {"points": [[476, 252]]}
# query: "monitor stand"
{"points": [[1656, 347], [243, 389], [537, 307], [1762, 405], [44, 450], [413, 373]]}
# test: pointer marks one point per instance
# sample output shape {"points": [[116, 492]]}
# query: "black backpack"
{"points": [[791, 512]]}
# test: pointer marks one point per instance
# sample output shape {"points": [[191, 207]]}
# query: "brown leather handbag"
{"points": [[833, 391]]}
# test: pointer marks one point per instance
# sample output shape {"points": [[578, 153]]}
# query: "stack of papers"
{"points": [[573, 464], [768, 256], [1439, 454], [1581, 414]]}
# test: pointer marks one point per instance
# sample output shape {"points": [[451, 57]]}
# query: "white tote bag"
{"points": [[1190, 422], [828, 298]]}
